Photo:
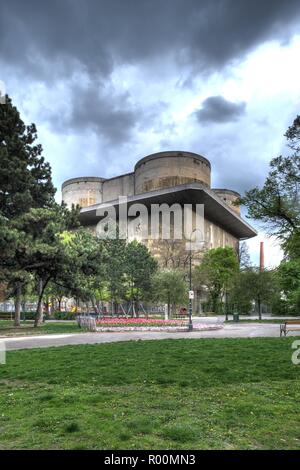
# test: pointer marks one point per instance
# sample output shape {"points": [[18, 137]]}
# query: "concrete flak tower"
{"points": [[84, 191], [157, 171], [168, 169]]}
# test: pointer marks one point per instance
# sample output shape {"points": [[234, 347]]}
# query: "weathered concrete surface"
{"points": [[242, 330], [168, 169], [119, 186], [84, 191], [229, 197]]}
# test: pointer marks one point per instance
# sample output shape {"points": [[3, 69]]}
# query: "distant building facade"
{"points": [[172, 177]]}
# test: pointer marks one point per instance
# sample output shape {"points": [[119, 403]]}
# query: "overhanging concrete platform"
{"points": [[215, 210]]}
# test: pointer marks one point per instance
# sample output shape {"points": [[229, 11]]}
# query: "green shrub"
{"points": [[64, 315], [24, 315]]}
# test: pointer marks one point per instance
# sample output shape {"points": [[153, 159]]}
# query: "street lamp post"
{"points": [[190, 325], [191, 292]]}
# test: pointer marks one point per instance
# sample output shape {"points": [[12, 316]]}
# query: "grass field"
{"points": [[170, 394], [7, 328]]}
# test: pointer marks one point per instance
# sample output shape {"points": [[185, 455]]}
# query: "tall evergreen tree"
{"points": [[25, 177], [25, 183]]}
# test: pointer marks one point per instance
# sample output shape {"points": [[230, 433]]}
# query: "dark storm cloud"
{"points": [[108, 113], [40, 37], [104, 116], [53, 40], [217, 109]]}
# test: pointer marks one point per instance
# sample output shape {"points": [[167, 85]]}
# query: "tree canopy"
{"points": [[170, 287], [25, 176], [216, 273], [277, 204]]}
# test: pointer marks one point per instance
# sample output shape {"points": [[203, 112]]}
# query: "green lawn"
{"points": [[27, 328], [170, 394]]}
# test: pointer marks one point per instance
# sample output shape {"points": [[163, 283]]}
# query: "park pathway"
{"points": [[241, 330]]}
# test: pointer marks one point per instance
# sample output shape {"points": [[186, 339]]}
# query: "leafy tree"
{"points": [[139, 269], [216, 273], [11, 273], [56, 293], [292, 246], [277, 203], [115, 269], [289, 281], [293, 135], [241, 296], [254, 285], [40, 249], [170, 287], [277, 206], [87, 279]]}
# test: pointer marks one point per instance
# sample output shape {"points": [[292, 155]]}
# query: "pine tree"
{"points": [[25, 177], [25, 183]]}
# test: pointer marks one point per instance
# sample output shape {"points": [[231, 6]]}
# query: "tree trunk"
{"points": [[24, 308], [18, 301], [226, 306], [259, 308], [47, 307], [133, 309], [136, 302], [52, 306], [39, 310], [215, 304], [94, 305]]}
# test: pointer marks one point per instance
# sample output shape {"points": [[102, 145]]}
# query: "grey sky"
{"points": [[109, 81]]}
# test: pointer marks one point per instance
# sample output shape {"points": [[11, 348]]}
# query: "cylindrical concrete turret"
{"points": [[84, 191], [167, 169], [229, 196]]}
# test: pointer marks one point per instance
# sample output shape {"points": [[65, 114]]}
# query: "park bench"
{"points": [[289, 325]]}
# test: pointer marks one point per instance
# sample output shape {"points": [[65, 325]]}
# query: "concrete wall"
{"points": [[173, 252], [156, 171], [229, 196], [217, 237], [83, 191], [167, 169], [119, 186]]}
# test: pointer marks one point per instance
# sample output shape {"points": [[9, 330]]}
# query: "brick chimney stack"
{"points": [[262, 257]]}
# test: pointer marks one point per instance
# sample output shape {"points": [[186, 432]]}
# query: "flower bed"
{"points": [[149, 324], [106, 329], [138, 322]]}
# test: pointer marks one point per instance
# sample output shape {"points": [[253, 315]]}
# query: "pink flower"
{"points": [[121, 321]]}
